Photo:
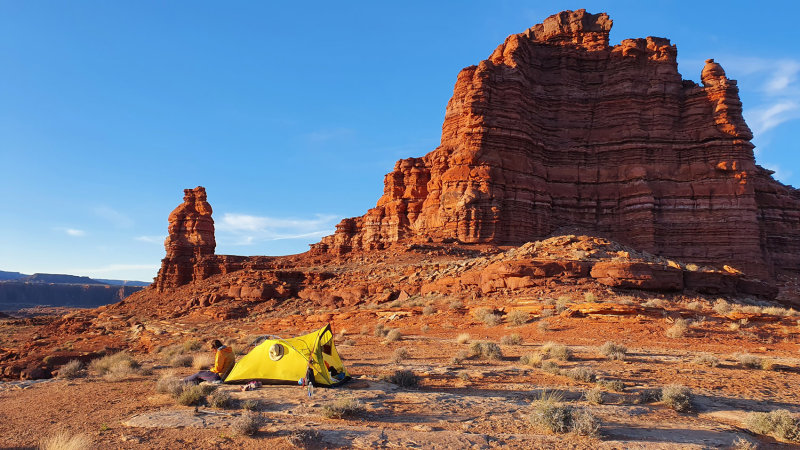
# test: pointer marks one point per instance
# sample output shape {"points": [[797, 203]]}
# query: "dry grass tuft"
{"points": [[584, 374], [71, 370], [722, 307], [749, 361], [543, 325], [488, 350], [678, 329], [181, 360], [594, 396], [511, 339], [403, 378], [343, 408], [247, 424], [463, 338], [551, 414], [779, 423], [168, 384], [614, 351], [202, 361], [400, 355], [556, 351], [429, 310], [706, 359], [531, 359], [394, 335], [487, 316], [63, 440], [116, 367], [219, 399], [518, 317], [677, 397]]}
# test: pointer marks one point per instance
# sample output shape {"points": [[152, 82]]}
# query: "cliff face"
{"points": [[557, 128]]}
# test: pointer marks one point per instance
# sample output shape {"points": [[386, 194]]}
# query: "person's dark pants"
{"points": [[203, 375]]}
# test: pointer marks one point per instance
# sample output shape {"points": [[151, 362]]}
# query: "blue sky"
{"points": [[289, 113]]}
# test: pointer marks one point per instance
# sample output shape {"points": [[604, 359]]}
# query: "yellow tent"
{"points": [[282, 361]]}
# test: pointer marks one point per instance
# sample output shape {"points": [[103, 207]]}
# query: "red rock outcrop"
{"points": [[190, 244], [557, 128]]}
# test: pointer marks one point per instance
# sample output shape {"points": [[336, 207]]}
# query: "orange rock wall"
{"points": [[557, 128]]}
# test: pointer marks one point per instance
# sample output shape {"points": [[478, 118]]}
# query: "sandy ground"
{"points": [[475, 403]]}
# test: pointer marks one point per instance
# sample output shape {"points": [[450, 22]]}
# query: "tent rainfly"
{"points": [[285, 361]]}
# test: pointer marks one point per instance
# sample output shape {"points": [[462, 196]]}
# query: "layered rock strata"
{"points": [[557, 128]]}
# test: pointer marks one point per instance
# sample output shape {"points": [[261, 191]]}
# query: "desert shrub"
{"points": [[551, 414], [63, 440], [460, 357], [678, 329], [343, 408], [492, 320], [488, 350], [518, 317], [202, 361], [614, 351], [511, 339], [779, 423], [247, 424], [381, 330], [677, 397], [655, 303], [400, 355], [429, 310], [463, 376], [71, 370], [364, 330], [303, 438], [742, 443], [612, 385], [543, 325], [192, 345], [403, 378], [556, 351], [456, 304], [749, 361], [594, 396], [219, 399], [190, 395], [706, 359], [249, 405], [181, 360], [168, 384], [694, 306], [394, 335], [424, 329], [115, 367], [767, 364], [463, 338], [562, 303], [531, 359], [649, 396], [589, 297], [722, 307], [583, 374], [551, 367], [547, 312]]}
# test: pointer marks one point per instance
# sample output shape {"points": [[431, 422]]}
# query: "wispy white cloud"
{"points": [[780, 173], [71, 231], [113, 216], [151, 239], [783, 77], [245, 229], [111, 268], [771, 115]]}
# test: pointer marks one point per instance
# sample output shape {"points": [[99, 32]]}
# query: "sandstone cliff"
{"points": [[557, 128]]}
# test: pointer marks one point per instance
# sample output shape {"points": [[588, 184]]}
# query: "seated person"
{"points": [[223, 363]]}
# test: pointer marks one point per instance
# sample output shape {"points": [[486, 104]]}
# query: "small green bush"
{"points": [[343, 408], [191, 395], [249, 405], [677, 397]]}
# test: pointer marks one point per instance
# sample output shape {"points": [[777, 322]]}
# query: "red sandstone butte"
{"points": [[557, 128]]}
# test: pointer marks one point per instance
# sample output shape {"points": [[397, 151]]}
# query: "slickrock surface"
{"points": [[557, 128]]}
